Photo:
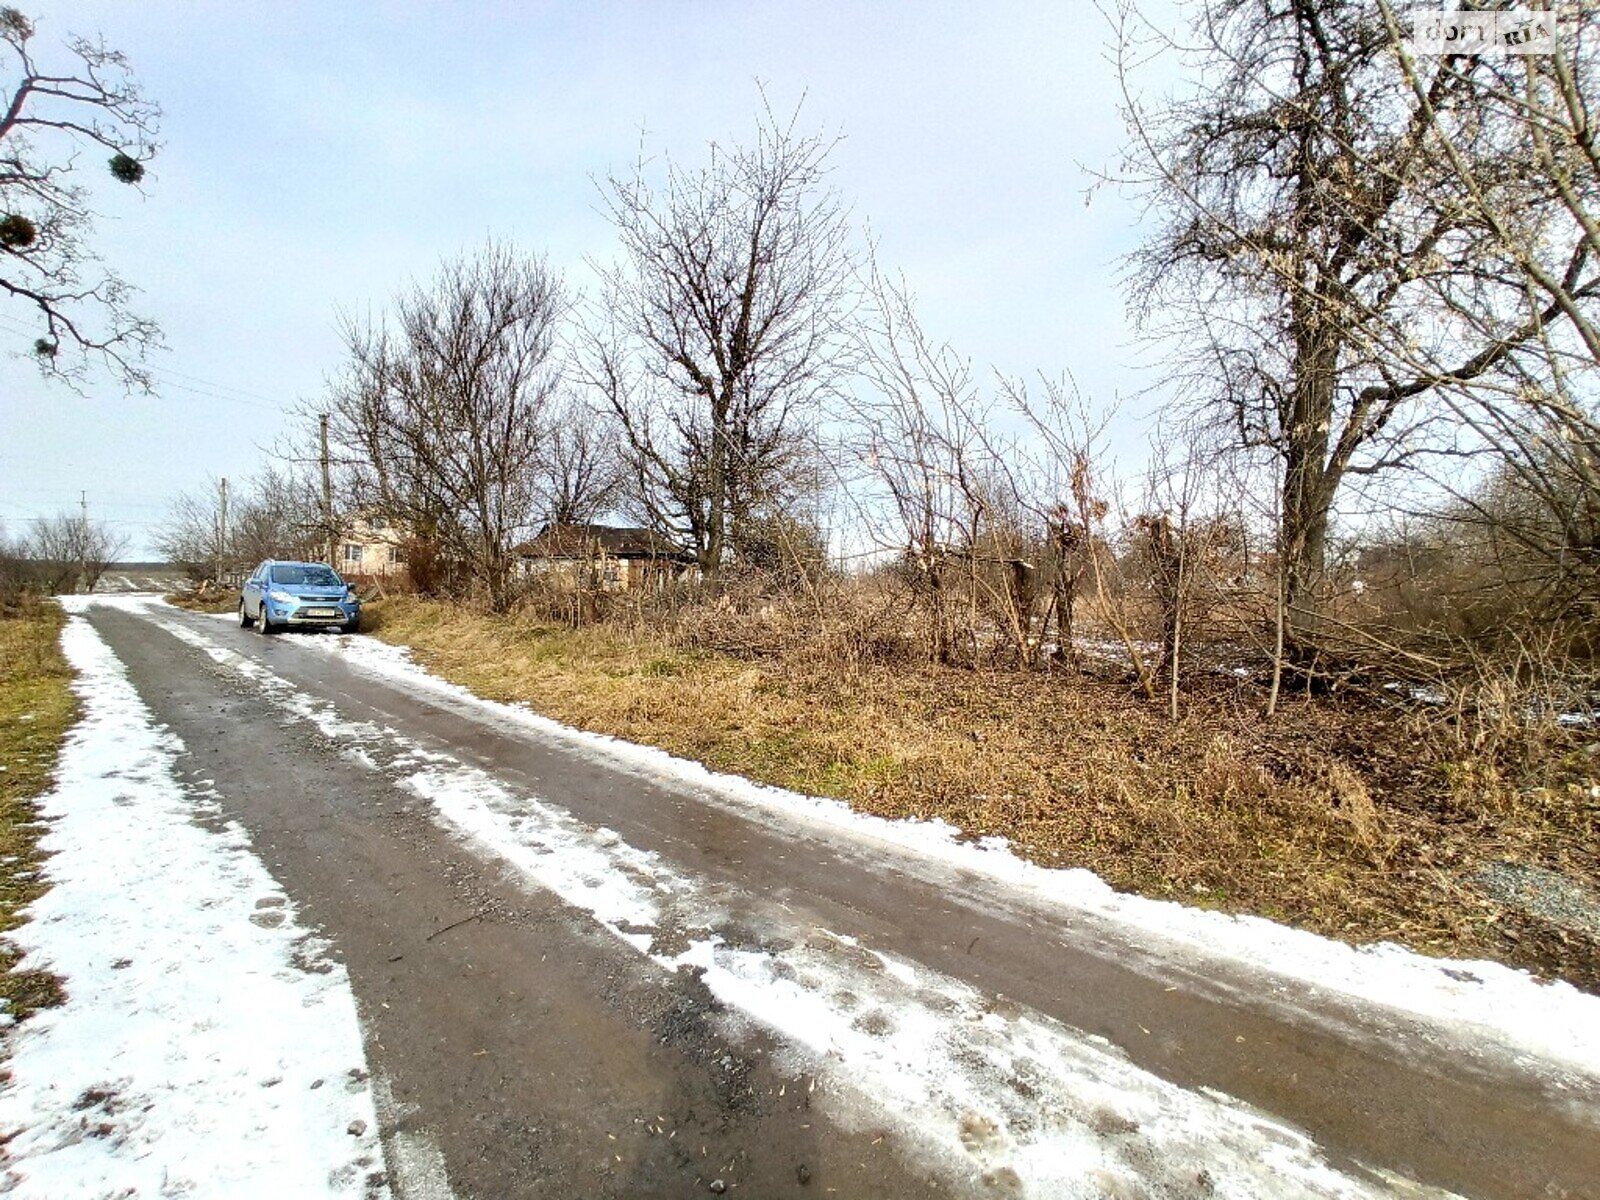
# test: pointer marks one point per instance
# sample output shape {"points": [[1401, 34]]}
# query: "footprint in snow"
{"points": [[269, 912]]}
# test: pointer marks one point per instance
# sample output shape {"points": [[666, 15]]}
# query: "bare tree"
{"points": [[69, 551], [192, 535], [271, 515], [99, 548], [1181, 542], [1072, 489], [1539, 222], [276, 514], [438, 416], [580, 468], [48, 117], [17, 572], [722, 327], [1312, 253], [53, 545], [914, 430], [937, 480]]}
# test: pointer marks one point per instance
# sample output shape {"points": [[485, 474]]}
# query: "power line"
{"points": [[56, 467], [255, 400], [227, 387], [28, 514], [121, 499], [262, 404]]}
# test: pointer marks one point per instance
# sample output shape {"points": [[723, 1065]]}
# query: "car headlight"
{"points": [[280, 597]]}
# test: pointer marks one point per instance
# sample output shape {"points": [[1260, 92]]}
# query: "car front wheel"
{"points": [[267, 627]]}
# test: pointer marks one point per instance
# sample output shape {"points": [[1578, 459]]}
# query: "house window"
{"points": [[352, 552], [395, 557]]}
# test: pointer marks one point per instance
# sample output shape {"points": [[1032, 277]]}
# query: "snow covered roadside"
{"points": [[207, 1048], [1547, 1027]]}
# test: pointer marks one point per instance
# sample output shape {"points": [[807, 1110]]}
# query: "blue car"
{"points": [[298, 595]]}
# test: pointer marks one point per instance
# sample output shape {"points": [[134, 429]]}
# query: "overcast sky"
{"points": [[316, 156]]}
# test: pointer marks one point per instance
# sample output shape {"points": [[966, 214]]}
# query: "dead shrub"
{"points": [[1352, 803], [853, 623], [1227, 777]]}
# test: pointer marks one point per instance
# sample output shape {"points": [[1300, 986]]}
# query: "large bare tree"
{"points": [[54, 122], [1540, 221], [1311, 254], [721, 328], [439, 414]]}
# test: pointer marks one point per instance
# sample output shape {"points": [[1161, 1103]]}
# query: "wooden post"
{"points": [[222, 529], [328, 531]]}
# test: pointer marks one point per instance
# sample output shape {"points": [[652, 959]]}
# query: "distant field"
{"points": [[141, 577]]}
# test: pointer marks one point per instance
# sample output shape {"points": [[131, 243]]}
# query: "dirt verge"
{"points": [[37, 708]]}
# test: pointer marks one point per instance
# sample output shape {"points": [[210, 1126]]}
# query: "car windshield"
{"points": [[306, 576]]}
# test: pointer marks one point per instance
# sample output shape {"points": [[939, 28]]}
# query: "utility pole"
{"points": [[222, 526], [83, 536], [328, 531]]}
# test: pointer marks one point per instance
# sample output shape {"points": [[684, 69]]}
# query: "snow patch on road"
{"points": [[1006, 1094], [591, 869], [1481, 1003], [207, 1047]]}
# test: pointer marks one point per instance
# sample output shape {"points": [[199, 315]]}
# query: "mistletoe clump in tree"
{"points": [[49, 117]]}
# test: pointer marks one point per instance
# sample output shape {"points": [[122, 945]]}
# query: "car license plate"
{"points": [[322, 613]]}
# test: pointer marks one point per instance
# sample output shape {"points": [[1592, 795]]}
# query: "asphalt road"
{"points": [[524, 1048]]}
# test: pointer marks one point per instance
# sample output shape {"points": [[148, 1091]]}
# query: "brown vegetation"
{"points": [[36, 709], [207, 599]]}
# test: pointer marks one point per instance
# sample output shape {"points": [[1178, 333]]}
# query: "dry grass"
{"points": [[1344, 818], [215, 601], [36, 709]]}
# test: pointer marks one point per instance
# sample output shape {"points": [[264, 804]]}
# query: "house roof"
{"points": [[580, 541]]}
